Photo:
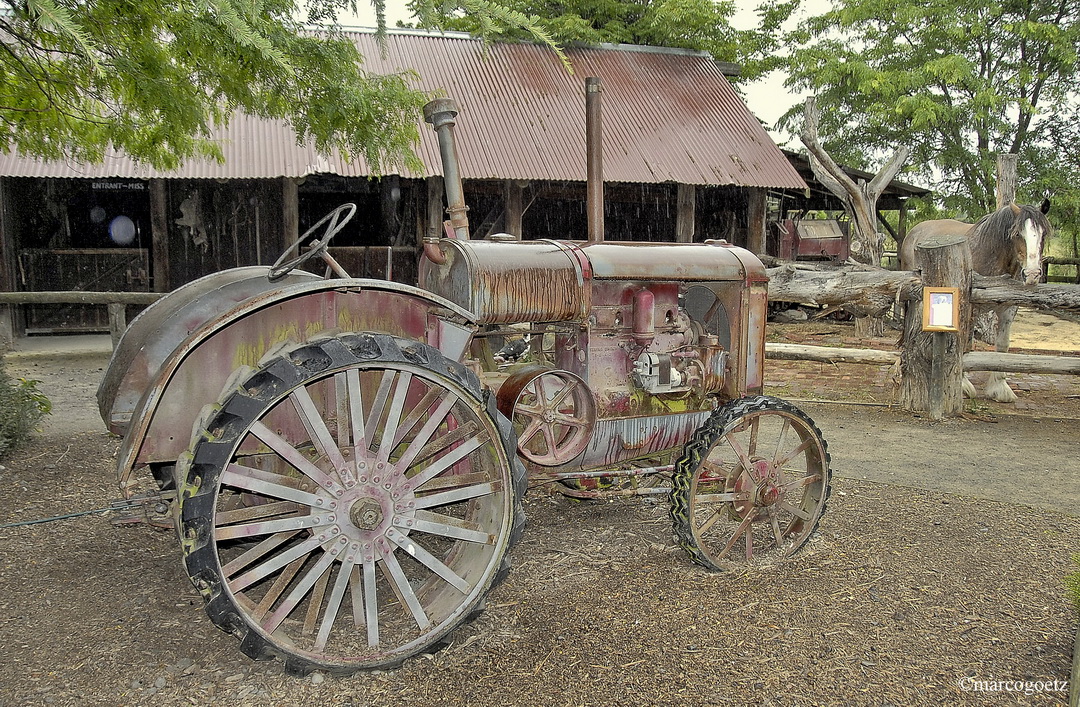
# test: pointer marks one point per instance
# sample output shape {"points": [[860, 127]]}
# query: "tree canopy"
{"points": [[703, 25], [956, 82], [152, 78]]}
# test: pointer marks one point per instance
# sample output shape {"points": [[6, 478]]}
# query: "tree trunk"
{"points": [[1006, 183], [860, 202], [945, 262], [1005, 290], [870, 292], [864, 292]]}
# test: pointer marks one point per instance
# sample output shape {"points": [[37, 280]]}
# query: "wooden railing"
{"points": [[116, 302]]}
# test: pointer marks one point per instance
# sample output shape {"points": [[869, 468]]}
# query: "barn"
{"points": [[684, 160]]}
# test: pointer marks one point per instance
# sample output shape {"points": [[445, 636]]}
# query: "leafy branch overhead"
{"points": [[153, 78], [703, 25]]}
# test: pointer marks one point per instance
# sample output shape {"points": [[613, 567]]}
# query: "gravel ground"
{"points": [[939, 566]]}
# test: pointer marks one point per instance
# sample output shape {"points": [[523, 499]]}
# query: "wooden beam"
{"points": [[290, 211], [79, 297], [436, 208], [888, 226], [7, 270], [1021, 363], [389, 196], [512, 207], [901, 226], [685, 226], [1002, 289], [117, 322], [159, 236], [755, 219], [826, 354], [867, 292], [973, 360]]}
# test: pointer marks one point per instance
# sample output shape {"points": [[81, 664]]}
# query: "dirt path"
{"points": [[940, 559], [1017, 459]]}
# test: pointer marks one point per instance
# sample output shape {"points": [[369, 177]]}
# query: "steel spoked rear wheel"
{"points": [[350, 504], [751, 485]]}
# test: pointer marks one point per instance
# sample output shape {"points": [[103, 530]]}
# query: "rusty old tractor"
{"points": [[346, 473]]}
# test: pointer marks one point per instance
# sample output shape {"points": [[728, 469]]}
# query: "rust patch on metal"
{"points": [[528, 294]]}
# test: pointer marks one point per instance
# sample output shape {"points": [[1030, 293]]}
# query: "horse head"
{"points": [[1028, 234]]}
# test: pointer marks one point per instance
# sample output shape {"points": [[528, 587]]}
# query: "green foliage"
{"points": [[956, 82], [81, 78], [685, 24], [1072, 583], [152, 78], [22, 406]]}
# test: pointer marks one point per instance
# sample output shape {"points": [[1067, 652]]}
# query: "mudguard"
{"points": [[181, 377]]}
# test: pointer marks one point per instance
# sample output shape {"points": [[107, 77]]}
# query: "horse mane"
{"points": [[991, 239], [1002, 225]]}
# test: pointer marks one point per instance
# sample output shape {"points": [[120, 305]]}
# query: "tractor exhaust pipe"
{"points": [[594, 146], [441, 114]]}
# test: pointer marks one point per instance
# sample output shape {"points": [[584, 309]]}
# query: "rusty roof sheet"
{"points": [[668, 115]]}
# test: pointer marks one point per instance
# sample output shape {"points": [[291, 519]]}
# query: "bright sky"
{"points": [[767, 98]]}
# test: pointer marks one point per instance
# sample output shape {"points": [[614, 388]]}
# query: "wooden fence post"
{"points": [[7, 327], [117, 321], [931, 380]]}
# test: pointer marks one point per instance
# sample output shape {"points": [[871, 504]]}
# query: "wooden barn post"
{"points": [[686, 201], [931, 363], [756, 212], [7, 272]]}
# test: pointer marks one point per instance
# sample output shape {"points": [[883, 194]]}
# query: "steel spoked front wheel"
{"points": [[751, 485], [350, 503]]}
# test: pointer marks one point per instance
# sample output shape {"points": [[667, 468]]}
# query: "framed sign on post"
{"points": [[941, 309]]}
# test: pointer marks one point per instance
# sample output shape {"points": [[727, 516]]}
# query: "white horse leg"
{"points": [[996, 388], [968, 388]]}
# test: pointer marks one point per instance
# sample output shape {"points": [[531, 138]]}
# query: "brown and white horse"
{"points": [[1006, 242]]}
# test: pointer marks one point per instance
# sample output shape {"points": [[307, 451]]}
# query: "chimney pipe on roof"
{"points": [[594, 159], [441, 114]]}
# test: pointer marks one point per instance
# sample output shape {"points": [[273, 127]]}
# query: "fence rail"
{"points": [[116, 302], [972, 361]]}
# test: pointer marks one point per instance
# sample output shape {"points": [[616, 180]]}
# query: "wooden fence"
{"points": [[863, 291], [866, 291], [116, 302]]}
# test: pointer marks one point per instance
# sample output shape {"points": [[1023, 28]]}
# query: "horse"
{"points": [[1006, 242]]}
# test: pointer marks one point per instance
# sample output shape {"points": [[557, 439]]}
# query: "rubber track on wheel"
{"points": [[702, 441], [242, 403]]}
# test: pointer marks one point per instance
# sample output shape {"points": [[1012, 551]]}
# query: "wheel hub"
{"points": [[769, 491], [366, 514], [380, 498], [762, 485]]}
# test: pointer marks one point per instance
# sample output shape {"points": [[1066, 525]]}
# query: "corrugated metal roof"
{"points": [[669, 116]]}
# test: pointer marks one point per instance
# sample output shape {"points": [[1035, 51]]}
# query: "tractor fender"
{"points": [[197, 370], [164, 325]]}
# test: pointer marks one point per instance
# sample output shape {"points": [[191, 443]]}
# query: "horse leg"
{"points": [[997, 389]]}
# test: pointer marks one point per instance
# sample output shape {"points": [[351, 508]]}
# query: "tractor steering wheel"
{"points": [[337, 222]]}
